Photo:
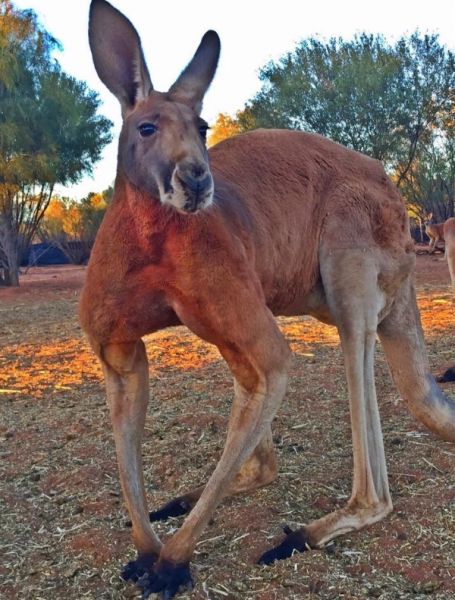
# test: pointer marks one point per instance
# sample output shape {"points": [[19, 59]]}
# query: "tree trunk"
{"points": [[10, 254], [10, 278]]}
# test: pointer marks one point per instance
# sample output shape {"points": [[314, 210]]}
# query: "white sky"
{"points": [[252, 32]]}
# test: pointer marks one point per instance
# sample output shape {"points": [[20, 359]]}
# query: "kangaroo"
{"points": [[435, 231], [268, 223], [449, 237]]}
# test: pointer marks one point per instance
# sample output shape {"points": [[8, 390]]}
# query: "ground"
{"points": [[63, 526]]}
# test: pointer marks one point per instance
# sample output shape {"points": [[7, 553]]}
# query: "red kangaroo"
{"points": [[435, 231], [268, 223], [449, 238]]}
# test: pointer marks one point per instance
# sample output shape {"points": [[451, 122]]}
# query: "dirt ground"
{"points": [[63, 531]]}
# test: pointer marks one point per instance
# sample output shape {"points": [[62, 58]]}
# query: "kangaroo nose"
{"points": [[197, 181], [198, 171], [197, 185], [194, 176]]}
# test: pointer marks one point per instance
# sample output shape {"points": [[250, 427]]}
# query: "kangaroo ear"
{"points": [[117, 54], [194, 81]]}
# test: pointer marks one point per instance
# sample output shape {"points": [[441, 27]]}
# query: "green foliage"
{"points": [[338, 89], [50, 131]]}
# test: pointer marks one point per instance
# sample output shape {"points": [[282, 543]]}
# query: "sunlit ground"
{"points": [[36, 367]]}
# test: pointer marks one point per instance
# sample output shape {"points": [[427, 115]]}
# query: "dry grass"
{"points": [[63, 534]]}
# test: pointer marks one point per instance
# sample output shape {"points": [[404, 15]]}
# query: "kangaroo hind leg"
{"points": [[350, 279]]}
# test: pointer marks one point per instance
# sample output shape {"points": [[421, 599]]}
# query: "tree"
{"points": [[71, 226], [429, 185], [49, 131], [383, 100], [227, 126], [426, 87]]}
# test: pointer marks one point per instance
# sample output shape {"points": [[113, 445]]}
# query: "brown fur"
{"points": [[449, 238], [284, 223]]}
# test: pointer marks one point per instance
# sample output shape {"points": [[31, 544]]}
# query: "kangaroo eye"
{"points": [[147, 129], [203, 131]]}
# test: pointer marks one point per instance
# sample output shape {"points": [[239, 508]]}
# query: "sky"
{"points": [[252, 32]]}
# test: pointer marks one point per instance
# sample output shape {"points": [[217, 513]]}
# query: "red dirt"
{"points": [[39, 283]]}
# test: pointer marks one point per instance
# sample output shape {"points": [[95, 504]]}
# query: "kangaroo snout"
{"points": [[197, 185]]}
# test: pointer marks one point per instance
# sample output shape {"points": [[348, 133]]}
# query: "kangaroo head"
{"points": [[162, 148]]}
